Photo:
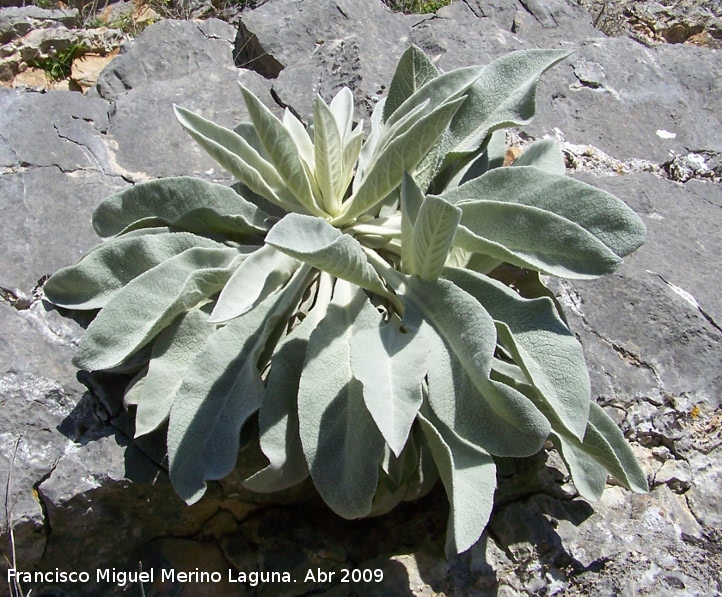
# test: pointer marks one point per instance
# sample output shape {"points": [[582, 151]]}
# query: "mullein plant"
{"points": [[343, 304]]}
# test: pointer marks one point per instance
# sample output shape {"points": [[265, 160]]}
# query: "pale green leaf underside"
{"points": [[314, 241], [391, 365], [261, 274], [182, 203], [147, 304], [93, 281], [341, 107], [469, 477], [333, 419], [411, 199]]}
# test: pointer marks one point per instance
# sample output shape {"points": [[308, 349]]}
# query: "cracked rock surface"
{"points": [[640, 121]]}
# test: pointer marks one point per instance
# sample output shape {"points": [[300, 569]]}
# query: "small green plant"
{"points": [[58, 67], [342, 305], [417, 6]]}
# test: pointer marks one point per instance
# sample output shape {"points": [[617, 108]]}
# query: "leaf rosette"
{"points": [[344, 298]]}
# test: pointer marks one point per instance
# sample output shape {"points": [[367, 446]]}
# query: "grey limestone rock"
{"points": [[631, 119], [172, 50]]}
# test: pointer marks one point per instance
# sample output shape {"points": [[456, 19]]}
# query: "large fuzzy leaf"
{"points": [[221, 389], [599, 213], [533, 238], [239, 157], [391, 363], [434, 232], [368, 149], [545, 155], [411, 200], [469, 477], [182, 203], [342, 110], [93, 281], [261, 274], [314, 241], [503, 95], [469, 336], [282, 151], [437, 91], [399, 156], [328, 156], [604, 445], [278, 433], [300, 137], [496, 420], [412, 72], [340, 439], [150, 302], [173, 351], [543, 346]]}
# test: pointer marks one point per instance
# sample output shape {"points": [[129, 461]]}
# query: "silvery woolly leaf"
{"points": [[342, 110], [412, 72], [503, 95], [469, 477], [368, 149], [183, 203], [351, 152], [172, 353], [540, 343], [545, 155], [469, 335], [391, 362], [605, 445], [314, 241], [282, 151], [221, 389], [278, 433], [440, 90], [533, 238], [433, 235], [328, 157], [496, 420], [477, 163], [150, 302], [411, 199], [401, 155], [300, 136], [93, 281], [238, 156], [333, 419], [261, 274], [599, 213]]}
